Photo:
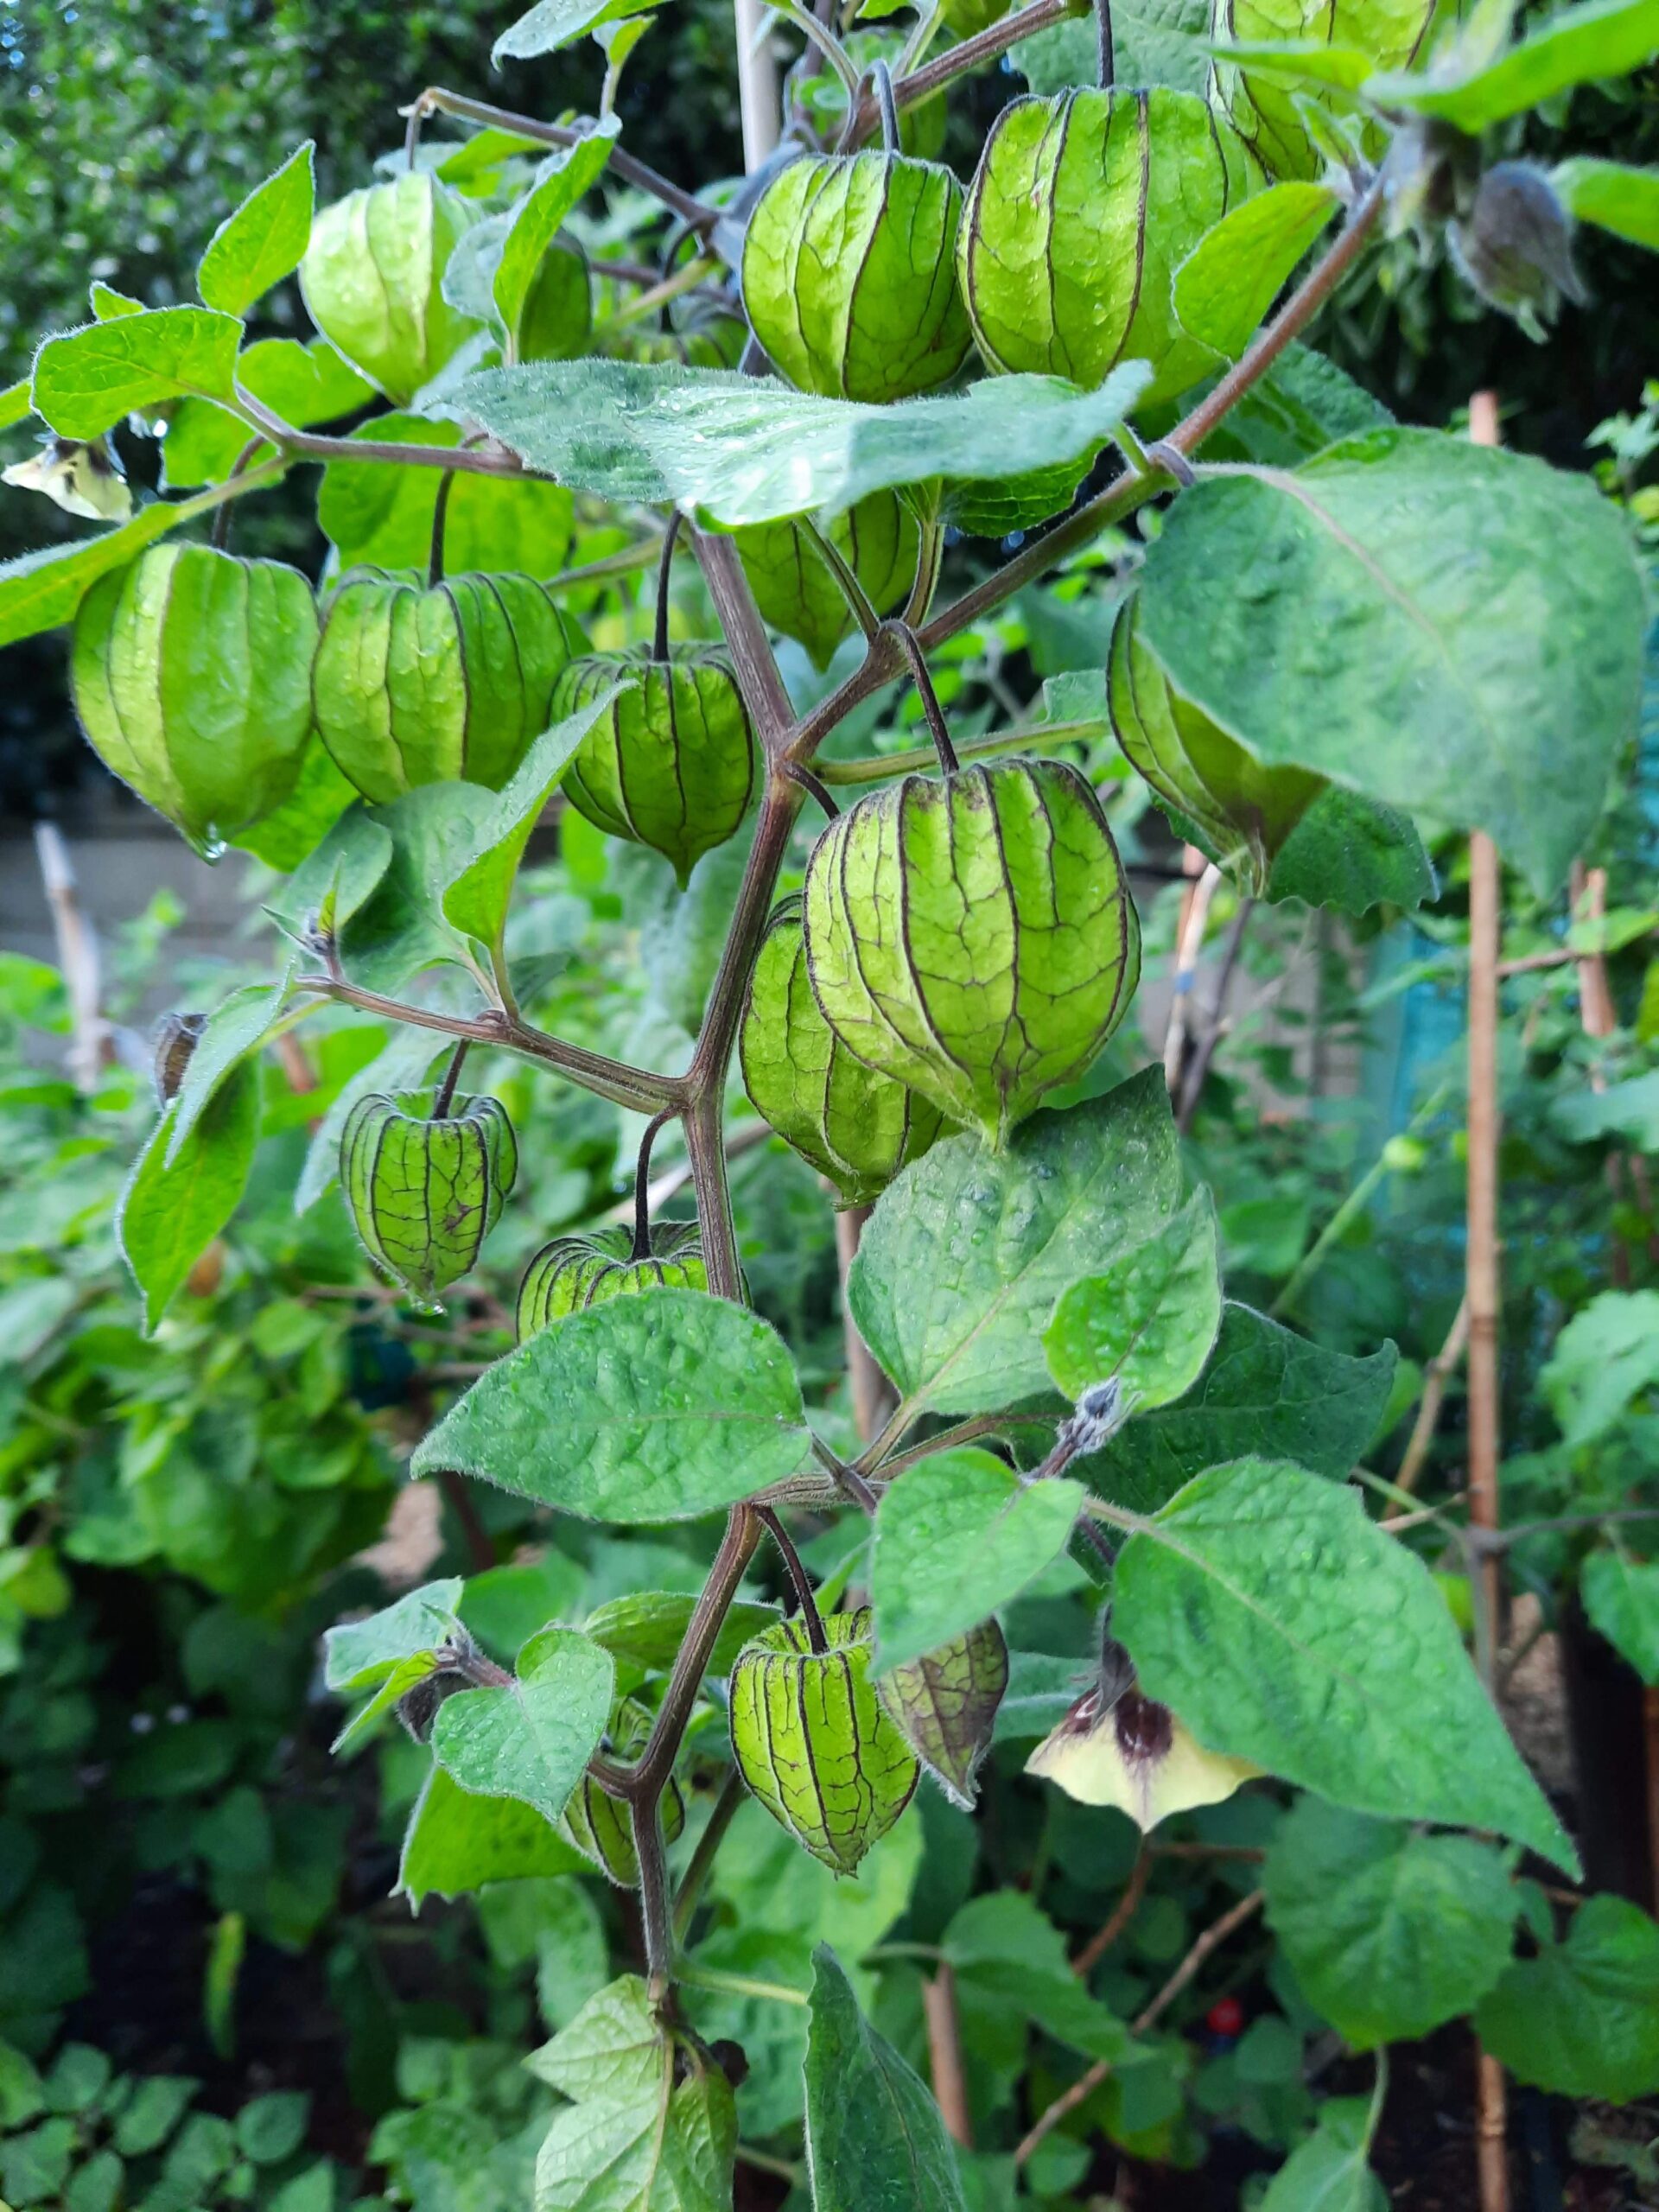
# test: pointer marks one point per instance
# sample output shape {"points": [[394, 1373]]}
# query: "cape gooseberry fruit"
{"points": [[1243, 811], [1269, 116], [849, 276], [372, 280], [599, 1825], [670, 762], [794, 588], [944, 1705], [190, 671], [414, 685], [973, 936], [857, 1128], [812, 1741], [573, 1272], [424, 1192], [1080, 211], [557, 316]]}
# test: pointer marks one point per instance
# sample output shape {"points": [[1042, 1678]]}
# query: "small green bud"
{"points": [[812, 1742], [794, 588], [944, 1705], [424, 1194], [191, 671], [416, 686], [1514, 246], [558, 317], [856, 1126], [849, 276], [373, 277], [573, 1272], [1245, 812], [1271, 116], [1080, 211], [1405, 1155], [670, 762], [173, 1042], [599, 1825], [973, 936]]}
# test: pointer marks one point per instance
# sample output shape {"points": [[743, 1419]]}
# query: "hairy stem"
{"points": [[645, 1816], [799, 1577]]}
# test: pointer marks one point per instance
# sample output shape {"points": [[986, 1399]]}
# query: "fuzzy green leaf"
{"points": [[1149, 1319], [235, 1029], [1621, 1596], [359, 1655], [551, 24], [1352, 853], [475, 898], [1582, 2019], [1606, 1356], [1267, 1393], [262, 242], [1329, 2172], [1225, 288], [1611, 195], [40, 591], [456, 1843], [1285, 1628], [641, 1409], [747, 449], [1583, 45], [530, 1739], [1388, 1933], [172, 1210], [875, 2141], [15, 406], [646, 1628], [87, 379], [957, 1536], [560, 182], [1005, 1947], [1379, 615], [959, 1266]]}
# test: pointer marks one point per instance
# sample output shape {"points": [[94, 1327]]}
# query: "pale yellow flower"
{"points": [[82, 480], [1137, 1755]]}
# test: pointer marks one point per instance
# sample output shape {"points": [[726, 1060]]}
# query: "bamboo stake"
{"points": [[1482, 1296], [944, 2055], [757, 81], [872, 1400], [89, 1049]]}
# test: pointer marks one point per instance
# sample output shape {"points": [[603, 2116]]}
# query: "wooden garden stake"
{"points": [[1482, 1298]]}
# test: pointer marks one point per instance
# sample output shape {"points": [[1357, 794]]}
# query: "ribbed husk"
{"points": [[670, 762], [1082, 209], [1266, 114], [812, 1742], [373, 277], [573, 1272], [424, 1194], [849, 276], [1243, 810], [417, 686], [599, 1826], [191, 673], [973, 936], [944, 1704], [558, 317], [855, 1127], [794, 588]]}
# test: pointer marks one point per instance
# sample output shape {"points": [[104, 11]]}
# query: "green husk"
{"points": [[1082, 208], [812, 1742], [191, 673], [423, 1194], [1269, 116], [856, 1128], [973, 936], [598, 1824], [573, 1272], [945, 1706], [1244, 810], [670, 762], [558, 317], [420, 686], [795, 589], [373, 277], [849, 276]]}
